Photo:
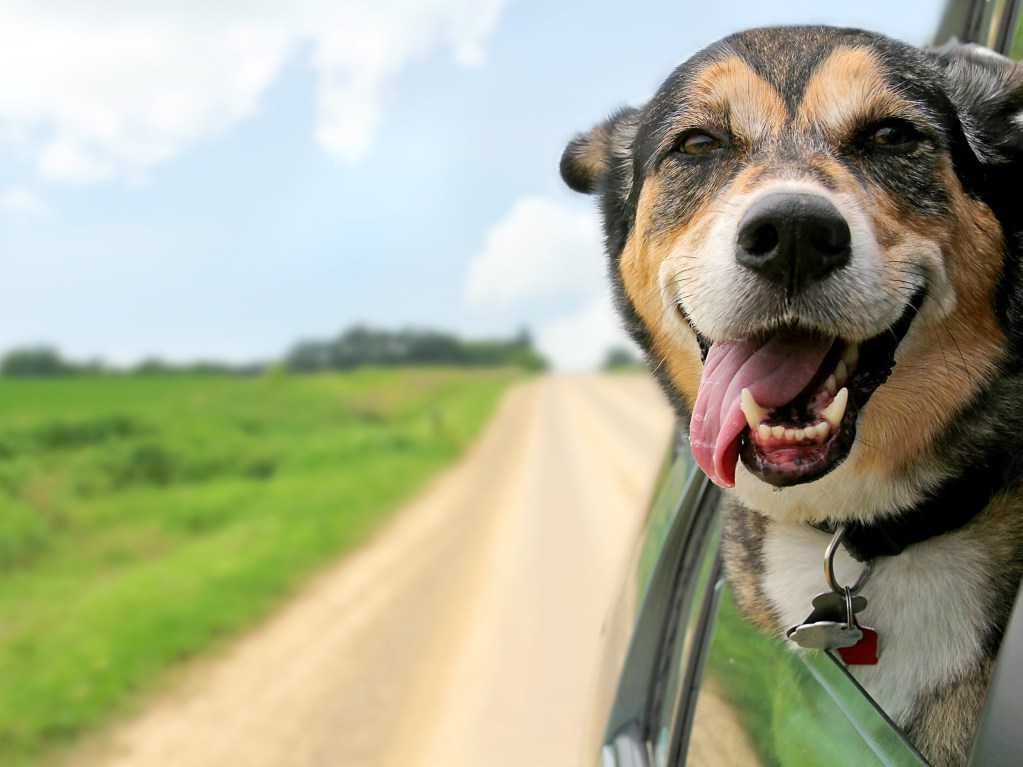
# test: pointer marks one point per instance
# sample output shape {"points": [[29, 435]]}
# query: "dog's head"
{"points": [[795, 211]]}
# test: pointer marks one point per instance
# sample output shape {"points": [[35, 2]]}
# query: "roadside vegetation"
{"points": [[144, 518]]}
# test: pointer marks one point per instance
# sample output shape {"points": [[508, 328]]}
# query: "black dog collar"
{"points": [[950, 507]]}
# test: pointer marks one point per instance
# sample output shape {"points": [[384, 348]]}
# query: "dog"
{"points": [[815, 235]]}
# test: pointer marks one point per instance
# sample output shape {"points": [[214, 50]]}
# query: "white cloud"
{"points": [[539, 250], [110, 88], [545, 250], [23, 202], [581, 340]]}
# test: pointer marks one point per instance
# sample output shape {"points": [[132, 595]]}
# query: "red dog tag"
{"points": [[864, 652]]}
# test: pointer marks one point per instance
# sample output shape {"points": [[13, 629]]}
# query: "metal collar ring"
{"points": [[829, 565]]}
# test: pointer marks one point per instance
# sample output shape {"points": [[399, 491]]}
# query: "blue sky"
{"points": [[217, 180]]}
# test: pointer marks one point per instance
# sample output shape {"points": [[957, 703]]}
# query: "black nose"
{"points": [[793, 239]]}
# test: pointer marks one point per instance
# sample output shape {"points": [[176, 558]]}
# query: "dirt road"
{"points": [[465, 635]]}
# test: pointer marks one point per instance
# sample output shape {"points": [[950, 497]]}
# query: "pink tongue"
{"points": [[774, 372]]}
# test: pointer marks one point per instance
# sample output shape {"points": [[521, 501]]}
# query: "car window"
{"points": [[761, 704], [991, 23], [722, 692], [1016, 40], [702, 686], [994, 24]]}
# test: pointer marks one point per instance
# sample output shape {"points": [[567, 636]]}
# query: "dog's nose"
{"points": [[793, 239]]}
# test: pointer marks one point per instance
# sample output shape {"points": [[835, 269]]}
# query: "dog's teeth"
{"points": [[777, 432], [833, 413], [822, 429], [790, 435], [764, 432], [751, 409], [851, 355], [800, 434], [831, 385], [841, 372]]}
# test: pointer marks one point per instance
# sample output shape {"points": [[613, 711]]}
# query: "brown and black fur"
{"points": [[795, 104]]}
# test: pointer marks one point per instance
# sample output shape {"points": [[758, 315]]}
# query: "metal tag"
{"points": [[825, 635]]}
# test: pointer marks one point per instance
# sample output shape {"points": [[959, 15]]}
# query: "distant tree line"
{"points": [[42, 361], [45, 361], [357, 347], [361, 346]]}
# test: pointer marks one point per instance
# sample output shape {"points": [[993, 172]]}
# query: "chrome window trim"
{"points": [[694, 674], [626, 734]]}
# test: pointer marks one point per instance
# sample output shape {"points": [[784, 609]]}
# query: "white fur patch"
{"points": [[926, 604], [851, 494]]}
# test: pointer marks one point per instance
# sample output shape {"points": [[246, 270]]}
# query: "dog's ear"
{"points": [[987, 90], [591, 158]]}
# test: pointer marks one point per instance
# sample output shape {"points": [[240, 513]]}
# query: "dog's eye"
{"points": [[698, 143], [894, 134]]}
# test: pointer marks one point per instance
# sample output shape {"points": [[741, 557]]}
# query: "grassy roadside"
{"points": [[142, 519]]}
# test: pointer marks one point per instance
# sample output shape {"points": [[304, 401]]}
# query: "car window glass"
{"points": [[764, 705], [991, 17], [999, 26], [1016, 42]]}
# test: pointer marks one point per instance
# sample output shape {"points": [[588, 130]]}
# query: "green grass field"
{"points": [[144, 519]]}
